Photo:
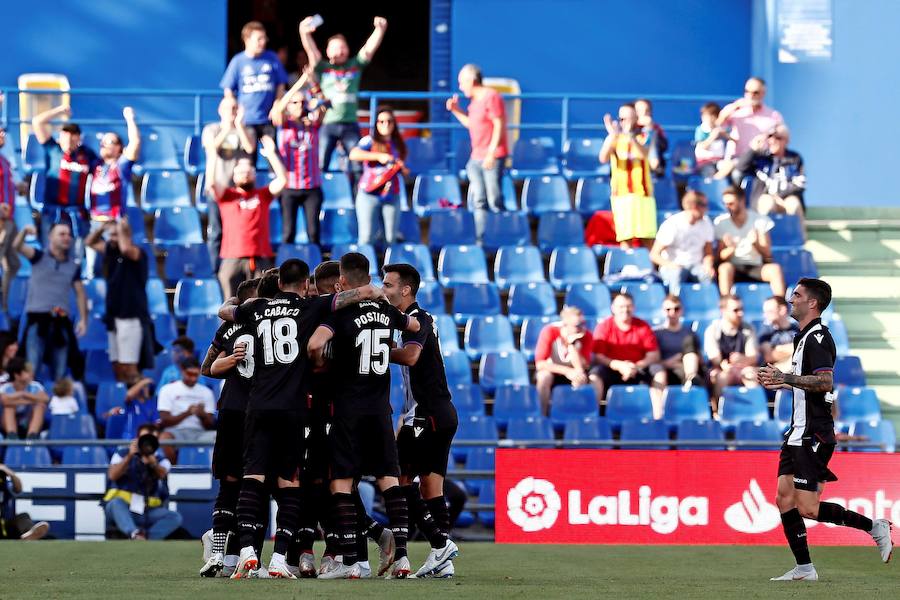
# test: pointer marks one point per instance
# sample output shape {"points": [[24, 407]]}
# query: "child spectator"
{"points": [[63, 401], [710, 142], [644, 110], [24, 401]]}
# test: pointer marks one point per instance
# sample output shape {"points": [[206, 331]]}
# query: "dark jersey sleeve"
{"points": [[399, 320], [421, 335], [819, 354], [243, 313], [218, 341], [330, 321], [321, 306]]}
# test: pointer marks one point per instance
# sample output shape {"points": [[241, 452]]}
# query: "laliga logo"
{"points": [[754, 514], [533, 504]]}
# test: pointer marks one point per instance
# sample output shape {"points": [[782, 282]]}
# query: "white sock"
{"points": [[808, 567], [231, 560], [277, 558], [364, 565]]}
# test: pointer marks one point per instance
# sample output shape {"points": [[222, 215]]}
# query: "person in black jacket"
{"points": [[776, 173]]}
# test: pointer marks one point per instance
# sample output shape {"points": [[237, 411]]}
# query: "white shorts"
{"points": [[125, 341]]}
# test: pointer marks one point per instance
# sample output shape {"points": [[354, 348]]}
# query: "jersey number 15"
{"points": [[374, 351]]}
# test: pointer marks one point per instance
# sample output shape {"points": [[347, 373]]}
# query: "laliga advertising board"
{"points": [[674, 497]]}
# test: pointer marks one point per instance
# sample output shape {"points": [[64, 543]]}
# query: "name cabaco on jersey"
{"points": [[280, 307]]}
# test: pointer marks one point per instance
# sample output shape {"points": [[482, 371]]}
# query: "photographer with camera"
{"points": [[135, 500], [16, 526]]}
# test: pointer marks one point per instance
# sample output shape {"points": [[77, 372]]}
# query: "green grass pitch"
{"points": [[168, 570]]}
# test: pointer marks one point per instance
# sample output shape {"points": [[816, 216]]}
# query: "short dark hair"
{"points": [[247, 289], [268, 284], [711, 108], [818, 290], [622, 294], [189, 362], [779, 300], [248, 29], [71, 128], [148, 427], [185, 342], [327, 270], [355, 268], [735, 191], [724, 300], [293, 271], [16, 365], [407, 274]]}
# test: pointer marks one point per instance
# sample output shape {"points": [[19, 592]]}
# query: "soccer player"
{"points": [[429, 422], [277, 409], [362, 432], [810, 441]]}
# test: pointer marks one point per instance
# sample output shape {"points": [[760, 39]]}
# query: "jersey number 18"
{"points": [[279, 340]]}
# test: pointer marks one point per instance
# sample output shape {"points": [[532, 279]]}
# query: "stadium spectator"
{"points": [[748, 117], [244, 208], [24, 401], [182, 347], [624, 348], [679, 351], [68, 165], [683, 246], [63, 401], [135, 501], [257, 79], [730, 346], [745, 245], [139, 406], [49, 329], [9, 348], [563, 355], [628, 148], [9, 258], [301, 66], [776, 336], [776, 172], [340, 77], [711, 143], [378, 198], [644, 110], [298, 143], [187, 409], [224, 143], [16, 526], [485, 119], [125, 266]]}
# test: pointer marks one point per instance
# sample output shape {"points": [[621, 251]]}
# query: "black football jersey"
{"points": [[814, 352], [236, 388], [427, 393]]}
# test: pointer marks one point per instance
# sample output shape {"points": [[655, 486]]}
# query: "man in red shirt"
{"points": [[563, 355], [246, 250], [624, 347], [486, 122]]}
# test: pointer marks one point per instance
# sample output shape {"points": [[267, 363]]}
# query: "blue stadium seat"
{"points": [[700, 301], [164, 189], [753, 295], [858, 404], [592, 298], [572, 264], [366, 250], [666, 195], [487, 495], [156, 297], [187, 260], [592, 194], [588, 430], [881, 432], [580, 157], [202, 329], [488, 334], [479, 459], [784, 405], [628, 403], [759, 431], [34, 159], [115, 427], [18, 457], [197, 297], [165, 328], [713, 189], [787, 232], [743, 404], [435, 192], [408, 228], [18, 292], [98, 368], [177, 225], [708, 429], [85, 456], [194, 156], [461, 154], [505, 229], [511, 401], [839, 334], [534, 156], [110, 394], [531, 331], [631, 262], [158, 153], [559, 229], [502, 368], [517, 265], [548, 193], [22, 215], [529, 428], [398, 390], [308, 253], [423, 156], [475, 300], [336, 191], [474, 428], [276, 225], [648, 298], [136, 220], [431, 297], [195, 456], [848, 371], [457, 367], [451, 227], [95, 290], [681, 404], [462, 264], [447, 333], [337, 226], [468, 399], [795, 263], [96, 337], [569, 403], [535, 299], [416, 255], [70, 427], [645, 430]]}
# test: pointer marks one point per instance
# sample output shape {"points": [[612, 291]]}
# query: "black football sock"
{"points": [[421, 517], [362, 524], [263, 519], [225, 514], [795, 532], [345, 526], [437, 506], [250, 504], [326, 502], [286, 519], [306, 532], [398, 515], [829, 512]]}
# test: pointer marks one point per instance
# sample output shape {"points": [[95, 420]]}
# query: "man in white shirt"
{"points": [[683, 246], [186, 409]]}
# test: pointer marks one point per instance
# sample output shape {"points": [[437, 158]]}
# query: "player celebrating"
{"points": [[429, 422], [810, 441], [362, 432]]}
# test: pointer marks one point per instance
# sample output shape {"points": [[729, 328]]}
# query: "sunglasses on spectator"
{"points": [[753, 92], [671, 308], [739, 309], [385, 121]]}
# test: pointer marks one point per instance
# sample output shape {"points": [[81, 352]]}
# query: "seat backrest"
{"points": [[475, 299], [587, 429], [194, 456], [573, 264], [431, 297], [681, 404], [164, 189], [416, 255], [457, 367], [648, 298], [505, 229], [628, 402], [858, 404], [592, 298], [545, 193], [531, 300], [433, 192], [536, 154], [645, 430], [197, 297], [848, 371], [502, 368], [881, 432], [467, 399], [517, 264], [93, 456], [691, 429], [18, 457], [187, 260], [700, 301], [529, 428], [177, 225], [530, 332], [308, 253], [515, 401], [559, 228], [488, 334], [592, 194], [580, 154], [337, 226], [762, 431], [451, 227], [336, 191], [462, 264], [156, 297], [619, 260], [743, 404]]}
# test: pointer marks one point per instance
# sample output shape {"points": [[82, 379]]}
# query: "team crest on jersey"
{"points": [[327, 428], [819, 337], [306, 431], [418, 431]]}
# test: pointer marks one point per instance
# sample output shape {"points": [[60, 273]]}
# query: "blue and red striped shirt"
{"points": [[7, 183], [299, 147], [67, 174], [109, 187]]}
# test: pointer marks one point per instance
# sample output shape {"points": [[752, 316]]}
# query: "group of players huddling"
{"points": [[305, 412]]}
